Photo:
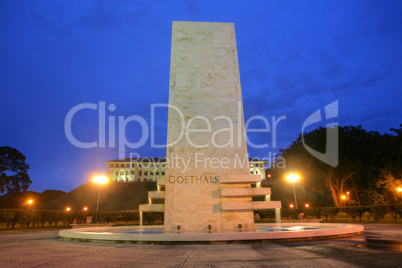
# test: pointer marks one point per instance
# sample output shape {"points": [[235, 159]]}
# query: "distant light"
{"points": [[269, 175], [399, 189], [343, 197], [306, 205], [291, 205], [293, 177], [30, 201], [85, 208], [100, 179], [68, 209]]}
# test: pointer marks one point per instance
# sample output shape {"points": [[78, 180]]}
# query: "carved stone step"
{"points": [[156, 194], [236, 192], [239, 178], [250, 206], [152, 207]]}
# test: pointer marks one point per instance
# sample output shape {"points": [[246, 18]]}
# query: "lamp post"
{"points": [[293, 178], [99, 180], [399, 189], [348, 194]]}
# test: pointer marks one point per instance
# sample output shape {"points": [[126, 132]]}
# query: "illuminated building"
{"points": [[151, 169]]}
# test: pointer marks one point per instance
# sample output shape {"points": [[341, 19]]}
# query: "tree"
{"points": [[389, 184], [391, 171], [358, 150], [14, 176], [372, 198], [395, 144]]}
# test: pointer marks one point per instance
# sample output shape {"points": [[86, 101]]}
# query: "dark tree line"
{"points": [[370, 165]]}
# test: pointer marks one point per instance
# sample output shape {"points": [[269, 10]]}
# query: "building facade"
{"points": [[151, 169]]}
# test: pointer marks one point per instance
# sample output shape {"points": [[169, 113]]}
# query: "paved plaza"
{"points": [[380, 246]]}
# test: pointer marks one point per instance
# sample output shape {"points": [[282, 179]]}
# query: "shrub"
{"points": [[153, 217], [110, 217], [316, 212], [399, 210], [129, 216], [377, 212], [6, 215], [355, 212], [360, 212], [81, 217], [394, 211], [289, 213], [68, 217], [17, 213], [266, 214], [330, 212], [308, 212], [53, 217], [25, 218]]}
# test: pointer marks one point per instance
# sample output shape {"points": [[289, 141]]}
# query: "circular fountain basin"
{"points": [[261, 233]]}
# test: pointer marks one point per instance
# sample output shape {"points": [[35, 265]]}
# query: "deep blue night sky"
{"points": [[295, 57]]}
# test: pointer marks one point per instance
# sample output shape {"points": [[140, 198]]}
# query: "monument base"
{"points": [[262, 233]]}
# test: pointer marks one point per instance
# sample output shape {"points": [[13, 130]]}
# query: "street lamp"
{"points": [[343, 198], [85, 208], [30, 202], [291, 206], [293, 178], [306, 205], [99, 180], [68, 209]]}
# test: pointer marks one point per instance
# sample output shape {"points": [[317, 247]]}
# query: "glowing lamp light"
{"points": [[30, 201], [292, 177], [399, 189], [291, 205], [85, 208], [306, 205], [68, 209], [100, 179], [343, 197]]}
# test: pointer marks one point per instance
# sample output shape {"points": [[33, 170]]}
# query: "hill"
{"points": [[114, 196], [19, 200]]}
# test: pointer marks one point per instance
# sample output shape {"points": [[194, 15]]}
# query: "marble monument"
{"points": [[207, 185]]}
